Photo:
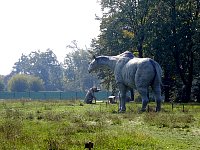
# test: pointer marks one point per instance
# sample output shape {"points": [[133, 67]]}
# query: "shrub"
{"points": [[23, 83], [18, 83]]}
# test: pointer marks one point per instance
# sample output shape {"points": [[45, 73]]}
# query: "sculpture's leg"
{"points": [[132, 94], [122, 89], [144, 93], [157, 93], [120, 101]]}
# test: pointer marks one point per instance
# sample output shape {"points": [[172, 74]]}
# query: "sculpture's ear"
{"points": [[93, 56]]}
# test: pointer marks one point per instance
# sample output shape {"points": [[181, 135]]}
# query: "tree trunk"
{"points": [[140, 52], [167, 85], [140, 44]]}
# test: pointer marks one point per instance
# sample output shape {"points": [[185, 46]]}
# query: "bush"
{"points": [[18, 83], [23, 83], [36, 84]]}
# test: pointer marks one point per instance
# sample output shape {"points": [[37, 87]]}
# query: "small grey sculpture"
{"points": [[132, 72]]}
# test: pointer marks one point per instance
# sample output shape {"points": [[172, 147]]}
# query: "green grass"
{"points": [[68, 125]]}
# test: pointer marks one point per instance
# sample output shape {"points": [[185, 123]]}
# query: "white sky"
{"points": [[31, 25]]}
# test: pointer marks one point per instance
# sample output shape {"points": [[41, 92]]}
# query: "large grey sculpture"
{"points": [[132, 72]]}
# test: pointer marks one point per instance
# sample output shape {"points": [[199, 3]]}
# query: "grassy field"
{"points": [[68, 125]]}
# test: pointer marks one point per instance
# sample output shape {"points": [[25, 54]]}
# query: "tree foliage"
{"points": [[35, 84], [2, 86], [174, 30], [43, 65], [50, 75], [76, 69]]}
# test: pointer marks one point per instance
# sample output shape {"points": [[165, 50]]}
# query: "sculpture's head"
{"points": [[96, 63], [93, 65]]}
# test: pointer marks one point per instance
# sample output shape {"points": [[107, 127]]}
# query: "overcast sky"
{"points": [[31, 25]]}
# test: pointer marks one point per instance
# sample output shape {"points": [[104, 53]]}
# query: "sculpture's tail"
{"points": [[158, 71]]}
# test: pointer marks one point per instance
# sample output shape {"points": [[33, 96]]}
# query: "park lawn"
{"points": [[68, 125]]}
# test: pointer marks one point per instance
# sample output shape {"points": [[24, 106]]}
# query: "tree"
{"points": [[35, 84], [43, 65], [2, 86], [180, 34], [123, 25], [76, 69]]}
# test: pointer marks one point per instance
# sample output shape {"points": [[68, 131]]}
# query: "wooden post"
{"points": [[100, 107], [183, 108], [60, 95], [148, 108], [76, 96], [29, 94], [172, 106]]}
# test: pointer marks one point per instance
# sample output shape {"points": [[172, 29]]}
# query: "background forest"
{"points": [[167, 31]]}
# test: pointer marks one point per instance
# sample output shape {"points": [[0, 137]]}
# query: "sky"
{"points": [[32, 25]]}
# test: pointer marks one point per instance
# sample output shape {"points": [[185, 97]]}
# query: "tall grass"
{"points": [[65, 125]]}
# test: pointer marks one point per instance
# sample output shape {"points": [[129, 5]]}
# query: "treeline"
{"points": [[39, 71], [165, 30]]}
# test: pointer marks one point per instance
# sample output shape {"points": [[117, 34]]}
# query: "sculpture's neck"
{"points": [[110, 63]]}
